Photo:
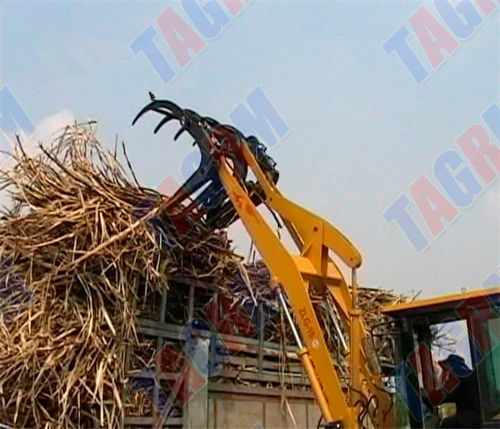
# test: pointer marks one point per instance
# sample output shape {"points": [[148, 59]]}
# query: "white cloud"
{"points": [[46, 131]]}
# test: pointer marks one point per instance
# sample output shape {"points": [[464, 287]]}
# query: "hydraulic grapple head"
{"points": [[202, 196]]}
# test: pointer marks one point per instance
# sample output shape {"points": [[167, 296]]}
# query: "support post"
{"points": [[159, 347], [355, 342], [260, 363]]}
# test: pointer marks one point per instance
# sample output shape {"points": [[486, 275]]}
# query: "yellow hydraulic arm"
{"points": [[226, 156], [312, 267]]}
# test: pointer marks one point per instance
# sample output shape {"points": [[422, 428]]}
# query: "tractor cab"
{"points": [[447, 364]]}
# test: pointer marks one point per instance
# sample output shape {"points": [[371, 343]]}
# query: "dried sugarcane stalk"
{"points": [[71, 246]]}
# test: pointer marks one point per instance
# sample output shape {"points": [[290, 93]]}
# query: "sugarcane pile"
{"points": [[81, 247], [76, 244]]}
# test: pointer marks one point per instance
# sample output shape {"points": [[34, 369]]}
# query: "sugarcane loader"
{"points": [[220, 192]]}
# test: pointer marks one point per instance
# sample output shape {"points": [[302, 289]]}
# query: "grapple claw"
{"points": [[216, 142]]}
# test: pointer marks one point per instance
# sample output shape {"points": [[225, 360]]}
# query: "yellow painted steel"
{"points": [[313, 267], [316, 388], [440, 300]]}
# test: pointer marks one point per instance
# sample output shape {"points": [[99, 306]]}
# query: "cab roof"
{"points": [[440, 302]]}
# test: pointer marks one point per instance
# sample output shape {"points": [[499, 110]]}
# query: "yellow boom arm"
{"points": [[312, 267]]}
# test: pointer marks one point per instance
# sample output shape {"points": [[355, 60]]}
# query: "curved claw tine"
{"points": [[178, 134], [150, 106], [174, 108], [154, 105], [145, 109], [166, 119]]}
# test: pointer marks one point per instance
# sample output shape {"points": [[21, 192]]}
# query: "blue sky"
{"points": [[361, 129]]}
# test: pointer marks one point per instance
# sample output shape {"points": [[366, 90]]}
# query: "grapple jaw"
{"points": [[202, 197]]}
